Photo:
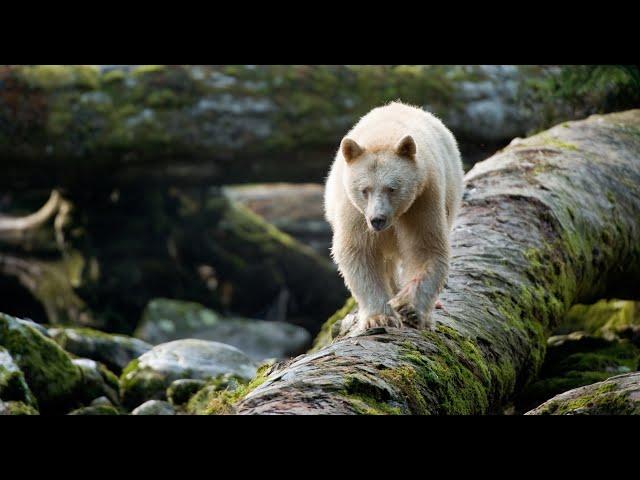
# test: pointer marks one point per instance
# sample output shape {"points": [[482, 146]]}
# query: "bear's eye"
{"points": [[365, 191], [391, 189]]}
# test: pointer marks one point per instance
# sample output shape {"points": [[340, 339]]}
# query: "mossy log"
{"points": [[619, 395], [230, 123], [549, 221]]}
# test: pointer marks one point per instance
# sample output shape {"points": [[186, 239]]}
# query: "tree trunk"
{"points": [[549, 221], [619, 395], [230, 123]]}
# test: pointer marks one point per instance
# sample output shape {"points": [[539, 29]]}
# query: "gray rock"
{"points": [[166, 320], [101, 401], [149, 376], [154, 407], [115, 351]]}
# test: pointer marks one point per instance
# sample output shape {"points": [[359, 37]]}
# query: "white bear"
{"points": [[391, 197]]}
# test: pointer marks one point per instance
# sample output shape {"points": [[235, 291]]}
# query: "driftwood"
{"points": [[549, 221], [619, 395]]}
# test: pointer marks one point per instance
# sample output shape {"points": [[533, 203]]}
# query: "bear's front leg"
{"points": [[364, 273], [425, 272]]}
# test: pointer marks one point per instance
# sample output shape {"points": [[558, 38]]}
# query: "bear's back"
{"points": [[384, 126]]}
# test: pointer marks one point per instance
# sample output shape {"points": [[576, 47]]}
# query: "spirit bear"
{"points": [[391, 197]]}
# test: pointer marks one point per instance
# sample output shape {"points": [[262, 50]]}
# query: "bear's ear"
{"points": [[350, 149], [406, 147]]}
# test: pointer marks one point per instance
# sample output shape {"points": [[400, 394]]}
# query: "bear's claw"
{"points": [[410, 316], [381, 320]]}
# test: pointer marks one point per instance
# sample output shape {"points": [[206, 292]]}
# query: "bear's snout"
{"points": [[378, 223]]}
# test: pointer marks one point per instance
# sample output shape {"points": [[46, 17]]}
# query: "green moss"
{"points": [[147, 69], [603, 400], [575, 361], [556, 142], [13, 385], [181, 391], [368, 399], [113, 77], [220, 396], [454, 379], [163, 99], [603, 318], [328, 331], [50, 77], [365, 405], [17, 408]]}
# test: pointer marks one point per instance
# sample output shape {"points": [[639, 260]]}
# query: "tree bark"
{"points": [[619, 395], [549, 221]]}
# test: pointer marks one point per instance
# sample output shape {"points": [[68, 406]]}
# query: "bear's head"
{"points": [[381, 183]]}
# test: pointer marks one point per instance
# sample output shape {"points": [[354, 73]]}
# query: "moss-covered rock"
{"points": [[16, 408], [12, 383], [165, 320], [180, 391], [618, 395], [148, 377], [97, 381], [114, 351], [49, 371]]}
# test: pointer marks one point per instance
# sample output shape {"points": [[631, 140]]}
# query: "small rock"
{"points": [[101, 401], [154, 407]]}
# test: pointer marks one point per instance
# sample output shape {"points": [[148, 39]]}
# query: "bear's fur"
{"points": [[391, 197]]}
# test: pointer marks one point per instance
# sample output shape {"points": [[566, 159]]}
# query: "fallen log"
{"points": [[619, 395], [82, 124], [549, 221]]}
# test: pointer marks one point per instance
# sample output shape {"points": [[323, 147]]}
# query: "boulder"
{"points": [[147, 377], [48, 370], [165, 320]]}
